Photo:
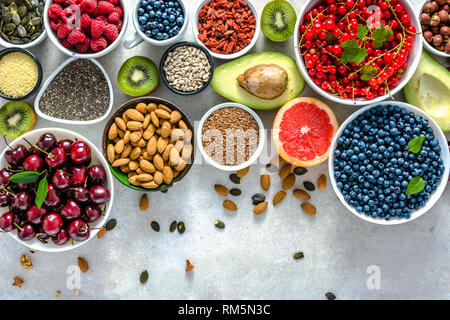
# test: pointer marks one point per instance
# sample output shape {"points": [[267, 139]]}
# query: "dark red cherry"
{"points": [[61, 180], [99, 194], [15, 156], [92, 212], [61, 238], [22, 186], [80, 152], [52, 199], [79, 230], [8, 221], [26, 232], [57, 158], [4, 177], [47, 142], [21, 202], [65, 144], [97, 175], [71, 210], [34, 215], [52, 223], [5, 198], [33, 163], [81, 195], [79, 176]]}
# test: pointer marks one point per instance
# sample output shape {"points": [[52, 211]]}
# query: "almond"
{"points": [[167, 175], [187, 135], [154, 118], [142, 143], [161, 144], [126, 137], [120, 133], [134, 181], [229, 205], [161, 106], [220, 189], [165, 129], [151, 146], [187, 152], [120, 124], [146, 121], [151, 107], [260, 208], [163, 114], [322, 182], [175, 116], [83, 264], [143, 202], [141, 107], [279, 196], [101, 232], [144, 177], [135, 115], [182, 125], [110, 152], [135, 153], [301, 194], [158, 162], [112, 133], [166, 152], [265, 181], [133, 165], [289, 182], [135, 136], [158, 177], [149, 185], [125, 169], [118, 148], [181, 165], [174, 156], [189, 265], [243, 172], [126, 151], [134, 125], [121, 162], [149, 132], [285, 170], [308, 208], [177, 134], [179, 145], [147, 166]]}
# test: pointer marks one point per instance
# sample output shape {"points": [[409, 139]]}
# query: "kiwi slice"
{"points": [[278, 20], [16, 118], [138, 76]]}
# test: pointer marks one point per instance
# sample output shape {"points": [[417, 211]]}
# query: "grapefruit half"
{"points": [[303, 130]]}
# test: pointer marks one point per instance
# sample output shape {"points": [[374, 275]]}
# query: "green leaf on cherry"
{"points": [[41, 193], [362, 31], [25, 177], [368, 72], [352, 52], [415, 145], [416, 185], [380, 35]]}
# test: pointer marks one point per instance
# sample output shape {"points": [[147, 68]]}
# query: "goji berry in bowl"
{"points": [[86, 29], [357, 52], [228, 29]]}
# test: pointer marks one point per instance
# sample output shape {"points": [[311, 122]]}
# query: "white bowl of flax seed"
{"points": [[230, 136]]}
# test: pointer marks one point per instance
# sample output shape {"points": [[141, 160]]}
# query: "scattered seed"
{"points": [[322, 182], [298, 255], [101, 232], [143, 278], [243, 172], [260, 208], [308, 208], [268, 165], [235, 192], [330, 296], [155, 226], [32, 250], [189, 265], [76, 292], [235, 178], [265, 182], [301, 194], [309, 186], [18, 282], [26, 262], [219, 224], [143, 202], [58, 294], [289, 182], [285, 171], [220, 189], [83, 264], [299, 171], [229, 205], [173, 226], [111, 224], [181, 227], [279, 196], [258, 198]]}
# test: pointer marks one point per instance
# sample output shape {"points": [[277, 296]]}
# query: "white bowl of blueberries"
{"points": [[158, 22], [390, 163]]}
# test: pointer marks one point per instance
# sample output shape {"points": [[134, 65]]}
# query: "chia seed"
{"points": [[78, 92]]}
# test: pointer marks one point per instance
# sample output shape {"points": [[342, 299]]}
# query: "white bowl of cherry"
{"points": [[56, 190]]}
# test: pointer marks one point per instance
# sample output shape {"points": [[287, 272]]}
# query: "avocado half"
{"points": [[225, 83], [429, 89]]}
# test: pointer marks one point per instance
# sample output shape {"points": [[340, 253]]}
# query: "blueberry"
{"points": [[158, 14], [148, 33], [165, 36], [142, 20], [172, 18], [144, 3], [165, 23], [157, 4], [180, 21], [159, 36], [140, 12], [154, 32], [152, 14]]}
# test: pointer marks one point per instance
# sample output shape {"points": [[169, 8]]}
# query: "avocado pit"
{"points": [[266, 81]]}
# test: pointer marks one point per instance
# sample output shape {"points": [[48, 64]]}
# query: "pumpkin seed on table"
{"points": [[235, 178], [219, 224], [322, 182], [143, 278], [220, 189], [285, 171], [279, 196], [173, 226], [83, 264], [330, 296], [309, 208], [257, 198], [301, 194], [111, 224], [229, 205], [309, 186], [181, 227], [243, 172], [143, 202], [260, 208], [289, 182], [299, 171], [298, 255], [155, 226], [265, 182], [235, 192]]}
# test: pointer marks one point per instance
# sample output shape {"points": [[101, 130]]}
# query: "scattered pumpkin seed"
{"points": [[189, 265], [143, 202], [309, 186], [257, 198], [322, 182], [299, 171], [330, 296], [83, 264], [220, 189], [219, 224], [181, 227], [301, 194], [235, 192], [235, 178], [173, 226], [298, 255], [155, 226], [26, 262], [143, 278], [111, 224]]}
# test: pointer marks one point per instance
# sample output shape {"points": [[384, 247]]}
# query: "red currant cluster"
{"points": [[328, 26]]}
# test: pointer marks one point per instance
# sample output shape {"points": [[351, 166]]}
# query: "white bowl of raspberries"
{"points": [[85, 28], [56, 191]]}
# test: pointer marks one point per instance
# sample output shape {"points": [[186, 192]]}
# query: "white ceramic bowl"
{"points": [[227, 56], [73, 122], [444, 155], [97, 158], [259, 148], [413, 58], [428, 46], [69, 52], [6, 44], [139, 36]]}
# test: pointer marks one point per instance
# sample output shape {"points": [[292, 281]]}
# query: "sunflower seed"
{"points": [[309, 186], [298, 255], [330, 296], [299, 171], [111, 224], [234, 178], [235, 192], [219, 224], [173, 226], [143, 277], [181, 227], [258, 198]]}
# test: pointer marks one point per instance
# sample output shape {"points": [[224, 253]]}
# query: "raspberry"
{"points": [[105, 8], [83, 46], [113, 17], [115, 3], [59, 1], [63, 31], [69, 3], [85, 21], [89, 6], [54, 11], [111, 32], [119, 24], [76, 36], [119, 10], [54, 24], [97, 28], [66, 44], [98, 44], [69, 14], [101, 18]]}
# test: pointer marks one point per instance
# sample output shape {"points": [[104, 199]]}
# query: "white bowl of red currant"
{"points": [[55, 190], [357, 52]]}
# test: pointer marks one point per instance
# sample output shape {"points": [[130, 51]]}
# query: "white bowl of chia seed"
{"points": [[246, 130], [76, 98]]}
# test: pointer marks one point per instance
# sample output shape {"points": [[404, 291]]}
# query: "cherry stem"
{"points": [[3, 188], [4, 138], [21, 229], [35, 146]]}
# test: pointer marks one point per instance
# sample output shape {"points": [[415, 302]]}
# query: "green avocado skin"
{"points": [[429, 68], [225, 83]]}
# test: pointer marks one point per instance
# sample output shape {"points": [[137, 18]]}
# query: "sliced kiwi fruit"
{"points": [[278, 20], [16, 118], [138, 76]]}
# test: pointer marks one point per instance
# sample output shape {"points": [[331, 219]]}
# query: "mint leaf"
{"points": [[416, 144], [41, 193], [416, 185], [362, 31], [25, 177], [380, 35], [352, 52], [368, 72]]}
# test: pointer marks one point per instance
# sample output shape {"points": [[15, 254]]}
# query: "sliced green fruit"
{"points": [[138, 76], [429, 89], [278, 20], [16, 118], [225, 82]]}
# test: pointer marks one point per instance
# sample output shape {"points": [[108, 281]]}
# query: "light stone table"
{"points": [[252, 257]]}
